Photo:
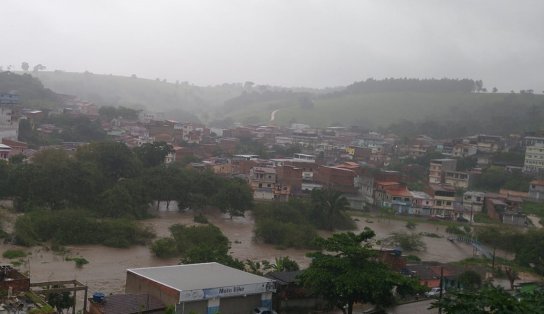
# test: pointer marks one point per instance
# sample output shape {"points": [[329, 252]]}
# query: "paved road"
{"points": [[273, 115], [414, 308]]}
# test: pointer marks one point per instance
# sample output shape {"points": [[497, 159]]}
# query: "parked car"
{"points": [[263, 310], [434, 292]]}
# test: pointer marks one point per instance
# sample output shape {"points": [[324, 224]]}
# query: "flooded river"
{"points": [[106, 270]]}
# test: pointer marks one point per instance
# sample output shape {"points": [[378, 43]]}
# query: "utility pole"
{"points": [[493, 262], [441, 288]]}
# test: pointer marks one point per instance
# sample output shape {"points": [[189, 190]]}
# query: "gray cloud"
{"points": [[283, 42]]}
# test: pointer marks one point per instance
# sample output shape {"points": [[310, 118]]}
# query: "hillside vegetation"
{"points": [[448, 112], [180, 101], [31, 91]]}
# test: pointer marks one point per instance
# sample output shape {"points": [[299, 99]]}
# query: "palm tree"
{"points": [[332, 202], [284, 263]]}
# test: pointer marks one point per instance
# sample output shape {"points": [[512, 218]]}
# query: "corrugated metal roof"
{"points": [[198, 276]]}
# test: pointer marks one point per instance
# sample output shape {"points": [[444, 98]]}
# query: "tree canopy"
{"points": [[491, 299], [345, 270]]}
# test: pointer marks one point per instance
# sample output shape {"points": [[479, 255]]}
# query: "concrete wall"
{"points": [[239, 305], [138, 285]]}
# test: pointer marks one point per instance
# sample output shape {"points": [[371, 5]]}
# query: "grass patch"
{"points": [[80, 261], [484, 219], [13, 254], [413, 258], [430, 235], [533, 208]]}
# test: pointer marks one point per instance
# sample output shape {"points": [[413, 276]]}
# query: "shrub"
{"points": [[406, 241], [285, 234], [13, 254], [411, 225], [165, 248], [453, 229], [430, 234], [200, 218], [80, 261], [413, 258], [3, 234], [77, 227]]}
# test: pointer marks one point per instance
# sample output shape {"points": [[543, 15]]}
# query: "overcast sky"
{"points": [[281, 42]]}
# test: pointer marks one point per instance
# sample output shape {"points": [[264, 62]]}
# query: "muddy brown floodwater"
{"points": [[106, 270]]}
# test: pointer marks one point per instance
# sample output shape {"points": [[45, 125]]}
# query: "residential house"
{"points": [[473, 202], [263, 182], [380, 196], [457, 179], [444, 198], [422, 203], [343, 180], [429, 274], [291, 177], [399, 198], [534, 159], [532, 140], [504, 208], [488, 143], [536, 190], [463, 150], [369, 180], [438, 167], [5, 152], [9, 123], [16, 146], [12, 279]]}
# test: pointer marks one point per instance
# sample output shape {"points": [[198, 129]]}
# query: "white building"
{"points": [[534, 159], [202, 288]]}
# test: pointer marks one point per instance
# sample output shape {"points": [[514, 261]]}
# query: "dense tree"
{"points": [[332, 203], [284, 263], [470, 280], [406, 241], [234, 198], [415, 85], [153, 154], [114, 160], [196, 244], [25, 66], [286, 224], [60, 301], [346, 271], [110, 112], [491, 299], [77, 227], [39, 67], [495, 178]]}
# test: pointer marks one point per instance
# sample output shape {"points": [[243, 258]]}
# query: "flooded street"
{"points": [[106, 270]]}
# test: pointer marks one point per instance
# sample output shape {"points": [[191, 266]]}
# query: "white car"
{"points": [[435, 292], [263, 310]]}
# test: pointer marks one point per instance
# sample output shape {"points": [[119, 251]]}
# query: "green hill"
{"points": [[443, 114], [31, 91], [180, 101]]}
